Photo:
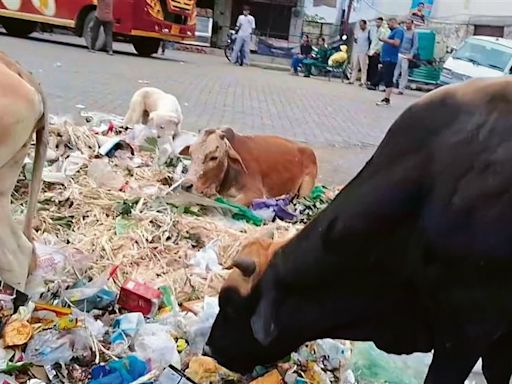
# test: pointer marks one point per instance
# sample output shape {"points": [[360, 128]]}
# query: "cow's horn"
{"points": [[246, 266]]}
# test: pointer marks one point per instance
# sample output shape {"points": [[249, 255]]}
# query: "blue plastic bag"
{"points": [[122, 371]]}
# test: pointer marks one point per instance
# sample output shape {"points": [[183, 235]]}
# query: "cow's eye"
{"points": [[214, 158]]}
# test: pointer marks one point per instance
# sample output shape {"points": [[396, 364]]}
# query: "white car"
{"points": [[478, 57]]}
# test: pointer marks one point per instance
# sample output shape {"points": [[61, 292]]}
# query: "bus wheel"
{"points": [[19, 28], [101, 44], [146, 46]]}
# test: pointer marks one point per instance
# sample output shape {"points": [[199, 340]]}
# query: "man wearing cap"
{"points": [[104, 18]]}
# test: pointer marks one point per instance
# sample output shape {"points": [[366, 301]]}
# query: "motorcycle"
{"points": [[230, 45]]}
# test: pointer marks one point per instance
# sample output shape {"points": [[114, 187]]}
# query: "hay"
{"points": [[157, 242]]}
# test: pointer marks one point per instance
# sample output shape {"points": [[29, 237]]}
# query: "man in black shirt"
{"points": [[305, 51]]}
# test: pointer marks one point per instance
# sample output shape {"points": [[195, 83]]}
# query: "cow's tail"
{"points": [[41, 129]]}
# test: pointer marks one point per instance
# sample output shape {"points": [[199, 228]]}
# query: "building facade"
{"points": [[452, 20]]}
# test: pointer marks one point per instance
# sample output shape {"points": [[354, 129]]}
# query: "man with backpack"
{"points": [[408, 53], [362, 41]]}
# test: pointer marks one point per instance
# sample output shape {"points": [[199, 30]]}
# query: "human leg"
{"points": [[247, 49], [398, 67], [95, 31], [236, 49], [108, 27], [404, 67], [355, 68], [388, 73], [364, 69]]}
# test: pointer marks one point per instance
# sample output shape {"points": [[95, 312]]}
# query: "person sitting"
{"points": [[305, 52], [320, 54], [339, 58]]}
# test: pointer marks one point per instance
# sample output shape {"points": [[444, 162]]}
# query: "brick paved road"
{"points": [[212, 93]]}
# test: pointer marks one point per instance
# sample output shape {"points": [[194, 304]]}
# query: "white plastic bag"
{"points": [[153, 342], [206, 260], [201, 327]]}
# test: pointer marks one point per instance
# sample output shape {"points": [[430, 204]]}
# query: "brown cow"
{"points": [[251, 262], [244, 168], [22, 111]]}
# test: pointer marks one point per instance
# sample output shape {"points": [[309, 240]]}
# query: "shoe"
{"points": [[350, 83], [384, 101], [371, 87], [400, 93], [110, 53], [92, 50]]}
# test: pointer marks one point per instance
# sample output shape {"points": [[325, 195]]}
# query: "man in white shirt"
{"points": [[360, 49], [246, 26]]}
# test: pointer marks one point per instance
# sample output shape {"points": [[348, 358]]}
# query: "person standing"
{"points": [[305, 52], [381, 31], [245, 28], [389, 57], [408, 50], [360, 49], [105, 19]]}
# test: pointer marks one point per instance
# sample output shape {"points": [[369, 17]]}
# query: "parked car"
{"points": [[478, 57]]}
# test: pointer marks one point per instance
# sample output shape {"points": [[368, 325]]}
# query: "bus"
{"points": [[143, 23]]}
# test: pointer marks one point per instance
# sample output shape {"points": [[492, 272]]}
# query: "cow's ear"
{"points": [[245, 265], [263, 322], [234, 156], [185, 151], [228, 133]]}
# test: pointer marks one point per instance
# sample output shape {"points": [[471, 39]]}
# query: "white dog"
{"points": [[157, 109]]}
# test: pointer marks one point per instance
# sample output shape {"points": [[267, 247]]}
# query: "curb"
{"points": [[271, 67]]}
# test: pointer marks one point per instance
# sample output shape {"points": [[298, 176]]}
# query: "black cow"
{"points": [[414, 254]]}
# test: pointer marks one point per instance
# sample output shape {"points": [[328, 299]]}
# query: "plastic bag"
{"points": [[206, 260], [91, 288], [201, 327], [49, 347], [96, 327], [125, 327], [138, 135], [104, 176], [122, 371], [153, 343], [332, 354], [370, 365]]}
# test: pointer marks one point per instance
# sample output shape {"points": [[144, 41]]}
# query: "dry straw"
{"points": [[159, 241]]}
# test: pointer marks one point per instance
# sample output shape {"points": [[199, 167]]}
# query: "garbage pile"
{"points": [[130, 267]]}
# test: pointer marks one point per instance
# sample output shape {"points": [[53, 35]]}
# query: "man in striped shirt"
{"points": [[104, 18]]}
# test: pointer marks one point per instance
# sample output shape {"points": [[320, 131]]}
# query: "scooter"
{"points": [[230, 45]]}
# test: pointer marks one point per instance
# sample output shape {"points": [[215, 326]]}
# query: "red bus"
{"points": [[144, 23]]}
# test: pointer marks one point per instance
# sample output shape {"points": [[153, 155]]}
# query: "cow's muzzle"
{"points": [[187, 185]]}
